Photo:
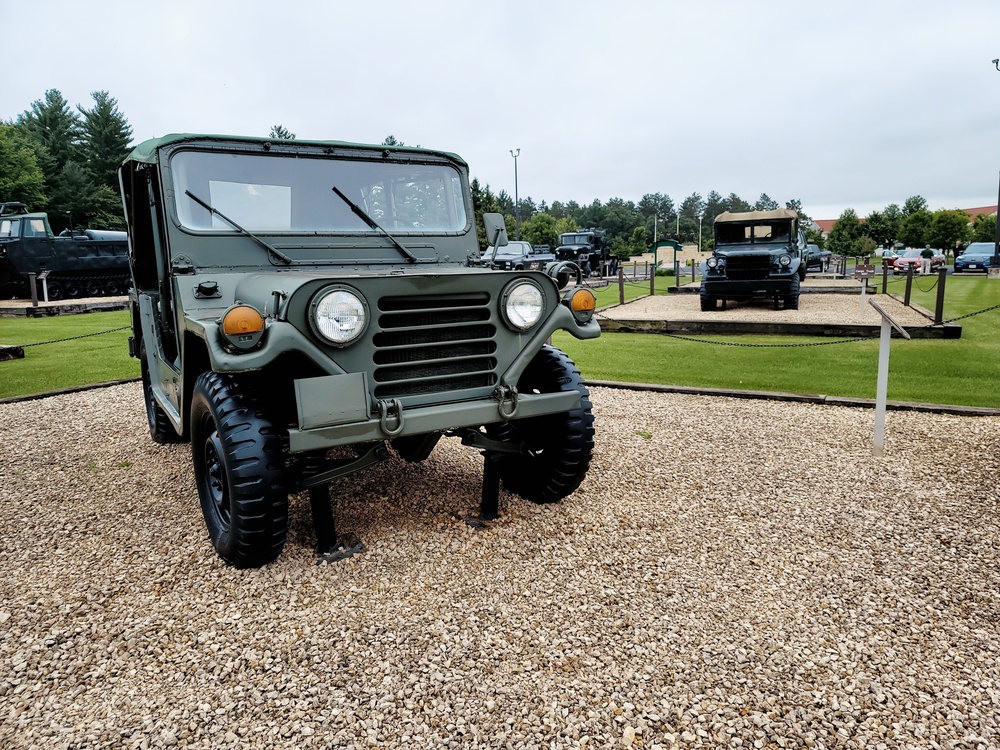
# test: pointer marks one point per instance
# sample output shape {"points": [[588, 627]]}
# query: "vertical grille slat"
{"points": [[434, 344]]}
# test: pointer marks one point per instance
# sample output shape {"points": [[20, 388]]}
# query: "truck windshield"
{"points": [[281, 193], [575, 239], [740, 234]]}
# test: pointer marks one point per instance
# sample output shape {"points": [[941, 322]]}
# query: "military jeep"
{"points": [[303, 309], [757, 254]]}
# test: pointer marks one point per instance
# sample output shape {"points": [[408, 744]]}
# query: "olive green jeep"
{"points": [[295, 297]]}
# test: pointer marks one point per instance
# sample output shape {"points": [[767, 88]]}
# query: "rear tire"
{"points": [[161, 430], [239, 469], [558, 447]]}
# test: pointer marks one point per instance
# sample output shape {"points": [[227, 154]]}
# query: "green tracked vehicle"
{"points": [[295, 297]]}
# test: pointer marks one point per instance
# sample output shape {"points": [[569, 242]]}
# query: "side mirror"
{"points": [[496, 229]]}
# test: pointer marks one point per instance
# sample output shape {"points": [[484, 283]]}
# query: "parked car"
{"points": [[817, 259], [911, 257], [977, 257]]}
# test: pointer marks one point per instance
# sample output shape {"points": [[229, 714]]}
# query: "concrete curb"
{"points": [[809, 398]]}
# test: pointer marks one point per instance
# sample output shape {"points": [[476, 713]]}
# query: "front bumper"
{"points": [[747, 288], [335, 410]]}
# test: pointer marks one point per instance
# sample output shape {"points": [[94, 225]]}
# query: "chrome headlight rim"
{"points": [[325, 325], [784, 260], [513, 315], [712, 262]]}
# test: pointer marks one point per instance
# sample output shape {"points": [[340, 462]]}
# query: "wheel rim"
{"points": [[215, 478]]}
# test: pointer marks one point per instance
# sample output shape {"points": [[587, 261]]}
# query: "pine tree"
{"points": [[106, 139]]}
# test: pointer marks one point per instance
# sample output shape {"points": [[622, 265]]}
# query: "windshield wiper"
{"points": [[374, 224], [274, 251]]}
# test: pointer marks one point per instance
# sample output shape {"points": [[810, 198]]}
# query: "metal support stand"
{"points": [[489, 504], [329, 546]]}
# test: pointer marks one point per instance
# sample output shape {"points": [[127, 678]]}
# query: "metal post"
{"points": [[621, 285], [909, 285], [996, 239], [652, 282], [677, 272], [517, 201], [882, 387], [939, 307], [34, 290], [885, 276]]}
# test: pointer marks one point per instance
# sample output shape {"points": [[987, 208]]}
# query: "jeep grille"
{"points": [[747, 267], [434, 344]]}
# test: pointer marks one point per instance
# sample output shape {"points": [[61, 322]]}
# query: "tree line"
{"points": [[64, 161], [913, 225]]}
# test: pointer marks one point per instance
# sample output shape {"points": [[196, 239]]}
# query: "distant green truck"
{"points": [[293, 297], [757, 254]]}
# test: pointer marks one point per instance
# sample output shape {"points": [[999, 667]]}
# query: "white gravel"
{"points": [[732, 574]]}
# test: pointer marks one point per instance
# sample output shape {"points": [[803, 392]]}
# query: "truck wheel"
{"points": [[239, 471], [708, 302], [792, 298], [54, 289], [160, 427], [557, 447]]}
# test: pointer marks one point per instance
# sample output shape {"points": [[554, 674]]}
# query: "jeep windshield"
{"points": [[278, 194]]}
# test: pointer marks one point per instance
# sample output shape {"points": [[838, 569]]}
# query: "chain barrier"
{"points": [[81, 336]]}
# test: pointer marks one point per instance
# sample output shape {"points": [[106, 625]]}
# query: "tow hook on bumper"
{"points": [[506, 394], [388, 410]]}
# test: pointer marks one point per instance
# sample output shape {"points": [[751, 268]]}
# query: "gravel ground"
{"points": [[731, 574], [813, 308]]}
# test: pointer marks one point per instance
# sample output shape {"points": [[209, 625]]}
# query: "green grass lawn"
{"points": [[955, 371], [80, 361], [963, 371]]}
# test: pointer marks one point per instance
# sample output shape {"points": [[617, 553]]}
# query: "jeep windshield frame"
{"points": [[288, 195]]}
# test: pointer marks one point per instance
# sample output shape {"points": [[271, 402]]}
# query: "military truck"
{"points": [[304, 309], [588, 248], [757, 254], [81, 263], [518, 256]]}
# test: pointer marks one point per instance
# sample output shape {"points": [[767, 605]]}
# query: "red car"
{"points": [[911, 257]]}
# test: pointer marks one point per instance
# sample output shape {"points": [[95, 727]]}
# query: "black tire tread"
{"points": [[255, 468], [567, 439]]}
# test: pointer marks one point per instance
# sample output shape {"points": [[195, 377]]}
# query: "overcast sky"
{"points": [[840, 104]]}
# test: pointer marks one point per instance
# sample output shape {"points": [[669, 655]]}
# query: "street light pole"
{"points": [[517, 200]]}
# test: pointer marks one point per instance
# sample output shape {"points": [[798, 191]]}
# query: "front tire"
{"points": [[708, 302], [792, 298], [557, 447], [239, 470]]}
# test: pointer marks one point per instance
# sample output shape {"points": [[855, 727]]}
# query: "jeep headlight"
{"points": [[522, 305], [784, 261], [339, 315], [712, 262]]}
